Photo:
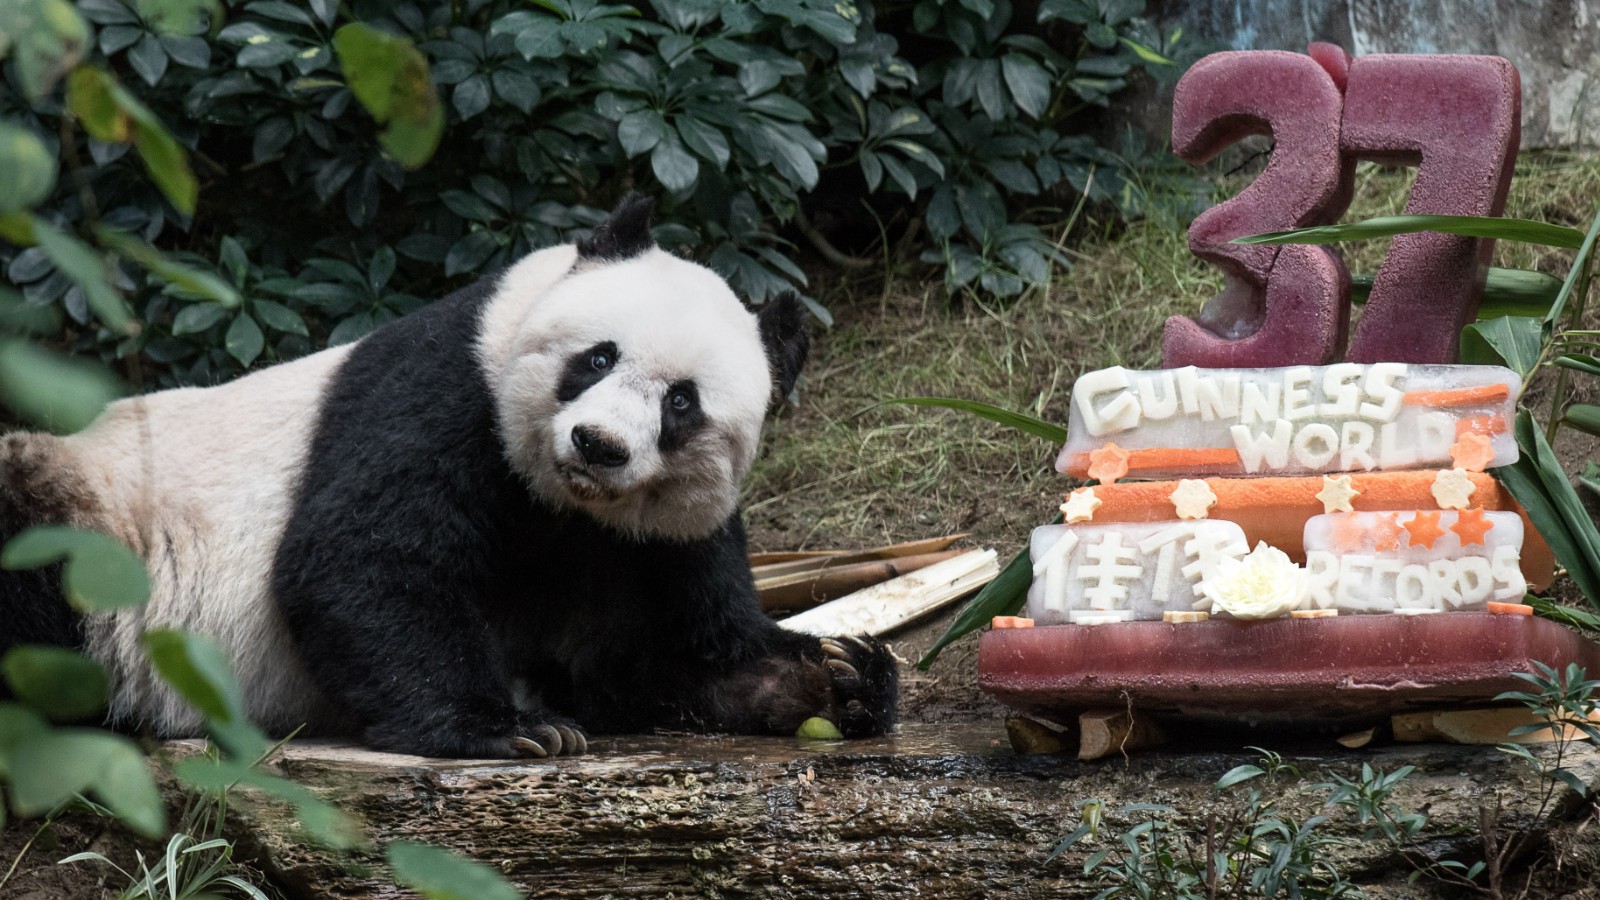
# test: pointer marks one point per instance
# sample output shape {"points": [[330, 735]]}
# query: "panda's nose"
{"points": [[597, 449]]}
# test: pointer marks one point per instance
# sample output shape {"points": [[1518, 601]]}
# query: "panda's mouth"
{"points": [[581, 483]]}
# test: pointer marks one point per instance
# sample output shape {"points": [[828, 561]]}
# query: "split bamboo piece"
{"points": [[881, 608], [803, 590], [1478, 726]]}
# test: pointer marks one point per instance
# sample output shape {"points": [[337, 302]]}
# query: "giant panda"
{"points": [[483, 530]]}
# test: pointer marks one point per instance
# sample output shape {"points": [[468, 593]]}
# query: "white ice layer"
{"points": [[1292, 420], [1127, 570], [1358, 562]]}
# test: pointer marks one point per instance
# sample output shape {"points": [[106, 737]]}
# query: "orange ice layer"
{"points": [[1275, 510]]}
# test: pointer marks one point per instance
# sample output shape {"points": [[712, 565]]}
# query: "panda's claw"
{"points": [[548, 737], [529, 747], [572, 741], [835, 649], [843, 668], [859, 642]]}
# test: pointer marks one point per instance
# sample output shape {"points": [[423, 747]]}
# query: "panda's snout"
{"points": [[599, 449]]}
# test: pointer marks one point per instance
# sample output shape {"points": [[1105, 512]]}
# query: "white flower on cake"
{"points": [[1193, 498], [1080, 505], [1265, 584], [1451, 488]]}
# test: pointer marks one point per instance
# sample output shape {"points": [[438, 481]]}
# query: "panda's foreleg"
{"points": [[406, 656]]}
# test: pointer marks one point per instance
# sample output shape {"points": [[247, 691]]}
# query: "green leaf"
{"points": [[1590, 477], [673, 166], [90, 97], [197, 318], [1510, 341], [48, 768], [1582, 362], [52, 390], [50, 38], [1028, 82], [30, 169], [390, 78], [17, 724], [126, 787], [1039, 428], [1147, 54], [640, 131], [1517, 292], [166, 162], [244, 340], [82, 264], [101, 574], [1524, 231], [1001, 597], [279, 317], [1538, 483], [182, 17], [1238, 774], [1583, 416], [1575, 275], [438, 874], [195, 667], [17, 315], [61, 683], [193, 282], [1566, 615]]}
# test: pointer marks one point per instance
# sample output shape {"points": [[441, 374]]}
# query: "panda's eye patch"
{"points": [[680, 400], [681, 416], [586, 369]]}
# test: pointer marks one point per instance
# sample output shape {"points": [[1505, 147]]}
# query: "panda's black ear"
{"points": [[624, 234], [783, 333]]}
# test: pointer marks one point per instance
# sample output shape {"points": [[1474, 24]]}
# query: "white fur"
{"points": [[208, 519], [671, 320]]}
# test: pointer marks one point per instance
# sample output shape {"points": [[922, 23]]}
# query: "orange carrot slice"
{"points": [[1488, 426], [1467, 396], [1510, 609], [1011, 622]]}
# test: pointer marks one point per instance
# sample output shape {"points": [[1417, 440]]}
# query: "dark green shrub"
{"points": [[316, 223]]}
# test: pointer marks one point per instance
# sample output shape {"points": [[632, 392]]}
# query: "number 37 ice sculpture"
{"points": [[1456, 118]]}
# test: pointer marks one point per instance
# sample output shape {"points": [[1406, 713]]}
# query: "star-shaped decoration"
{"points": [[1471, 525], [1451, 488], [1336, 494], [1471, 452], [1080, 505], [1424, 529], [1386, 533], [1192, 498], [1108, 463]]}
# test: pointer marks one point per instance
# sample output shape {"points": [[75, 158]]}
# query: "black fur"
{"points": [[419, 577], [624, 235], [36, 490], [783, 333]]}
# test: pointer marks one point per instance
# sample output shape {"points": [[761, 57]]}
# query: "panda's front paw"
{"points": [[866, 684], [542, 738]]}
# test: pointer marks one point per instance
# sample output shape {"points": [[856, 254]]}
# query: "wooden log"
{"points": [[1492, 725], [1103, 732], [933, 812]]}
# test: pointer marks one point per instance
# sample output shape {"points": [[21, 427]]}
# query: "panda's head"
{"points": [[632, 384]]}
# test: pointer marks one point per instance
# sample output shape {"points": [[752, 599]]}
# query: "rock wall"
{"points": [[1554, 44]]}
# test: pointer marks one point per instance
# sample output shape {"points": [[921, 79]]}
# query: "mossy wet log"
{"points": [[932, 812]]}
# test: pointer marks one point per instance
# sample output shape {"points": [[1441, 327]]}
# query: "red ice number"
{"points": [[1456, 118]]}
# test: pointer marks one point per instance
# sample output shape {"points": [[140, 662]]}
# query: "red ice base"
{"points": [[1294, 672]]}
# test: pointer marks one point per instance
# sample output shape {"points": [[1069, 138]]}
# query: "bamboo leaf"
{"points": [[1510, 341], [1583, 416], [1537, 482], [1524, 231], [1003, 596], [1580, 266], [1039, 428], [1566, 615], [1579, 361]]}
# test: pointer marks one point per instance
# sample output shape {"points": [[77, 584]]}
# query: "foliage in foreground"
{"points": [[1245, 844], [356, 158]]}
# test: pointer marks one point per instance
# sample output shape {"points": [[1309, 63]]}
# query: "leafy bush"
{"points": [[293, 166]]}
